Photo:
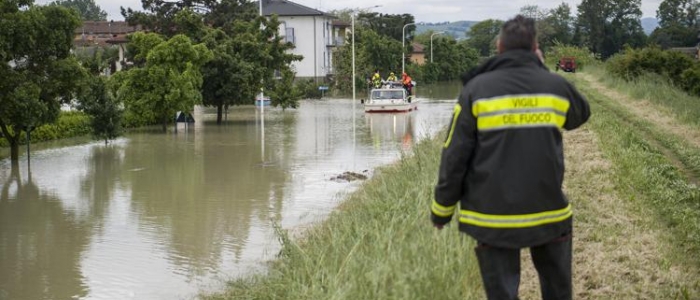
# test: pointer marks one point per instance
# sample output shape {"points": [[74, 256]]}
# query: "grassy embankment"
{"points": [[634, 227], [645, 130]]}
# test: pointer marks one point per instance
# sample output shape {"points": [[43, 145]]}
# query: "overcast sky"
{"points": [[423, 10]]}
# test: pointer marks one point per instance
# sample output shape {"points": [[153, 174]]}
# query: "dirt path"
{"points": [[615, 255], [646, 110]]}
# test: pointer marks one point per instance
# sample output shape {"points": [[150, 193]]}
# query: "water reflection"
{"points": [[38, 259], [391, 128]]}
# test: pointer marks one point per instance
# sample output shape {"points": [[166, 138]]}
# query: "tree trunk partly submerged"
{"points": [[219, 113], [165, 124], [14, 149]]}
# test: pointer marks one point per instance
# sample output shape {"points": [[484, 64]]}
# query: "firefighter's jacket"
{"points": [[503, 160]]}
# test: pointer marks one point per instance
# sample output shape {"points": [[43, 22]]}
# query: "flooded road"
{"points": [[167, 216]]}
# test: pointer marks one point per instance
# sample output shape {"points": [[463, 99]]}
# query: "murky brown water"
{"points": [[167, 216]]}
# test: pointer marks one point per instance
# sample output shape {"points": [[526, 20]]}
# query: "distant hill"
{"points": [[455, 29], [649, 24]]}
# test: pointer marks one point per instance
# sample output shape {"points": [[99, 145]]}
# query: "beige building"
{"points": [[417, 54]]}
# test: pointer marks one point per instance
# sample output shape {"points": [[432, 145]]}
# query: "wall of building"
{"points": [[418, 58], [312, 35]]}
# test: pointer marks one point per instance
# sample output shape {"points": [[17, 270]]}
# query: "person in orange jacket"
{"points": [[407, 83]]}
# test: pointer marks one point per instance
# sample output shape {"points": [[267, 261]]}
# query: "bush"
{"points": [[69, 124], [676, 67], [309, 89], [690, 80], [584, 57]]}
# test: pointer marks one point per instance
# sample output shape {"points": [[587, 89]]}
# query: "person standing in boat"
{"points": [[391, 77], [407, 83], [376, 79]]}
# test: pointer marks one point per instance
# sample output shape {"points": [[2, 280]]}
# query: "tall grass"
{"points": [[379, 244], [656, 89], [646, 175]]}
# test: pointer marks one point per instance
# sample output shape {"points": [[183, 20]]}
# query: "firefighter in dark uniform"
{"points": [[503, 163]]}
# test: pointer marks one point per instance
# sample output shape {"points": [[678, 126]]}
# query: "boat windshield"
{"points": [[397, 94]]}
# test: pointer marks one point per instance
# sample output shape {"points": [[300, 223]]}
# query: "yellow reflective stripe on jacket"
{"points": [[442, 211], [458, 110], [521, 120], [515, 221], [520, 111]]}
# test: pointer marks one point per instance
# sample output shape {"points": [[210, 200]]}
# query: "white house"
{"points": [[312, 33]]}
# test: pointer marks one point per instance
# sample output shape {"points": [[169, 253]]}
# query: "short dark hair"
{"points": [[518, 33]]}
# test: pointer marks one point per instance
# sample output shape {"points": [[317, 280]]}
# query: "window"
{"points": [[289, 35]]}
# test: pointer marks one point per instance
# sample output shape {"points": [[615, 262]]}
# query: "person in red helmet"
{"points": [[407, 83]]}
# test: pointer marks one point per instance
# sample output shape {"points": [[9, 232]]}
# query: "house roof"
{"points": [[418, 48], [106, 27], [288, 8]]}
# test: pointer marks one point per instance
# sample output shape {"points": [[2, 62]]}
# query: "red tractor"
{"points": [[567, 64]]}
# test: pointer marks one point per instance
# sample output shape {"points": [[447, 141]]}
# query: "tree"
{"points": [[103, 108], [87, 9], [160, 16], [284, 93], [681, 12], [553, 25], [388, 25], [169, 81], [678, 24], [244, 57], [482, 36], [450, 58], [37, 70], [562, 23], [606, 26]]}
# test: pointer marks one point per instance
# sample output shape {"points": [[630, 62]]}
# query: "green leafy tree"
{"points": [[87, 9], [284, 93], [545, 28], [388, 25], [482, 36], [169, 81], [104, 109], [372, 51], [606, 26], [244, 57], [37, 70], [553, 25], [451, 58], [681, 12], [678, 24], [161, 16], [562, 24]]}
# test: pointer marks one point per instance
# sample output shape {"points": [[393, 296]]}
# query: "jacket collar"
{"points": [[505, 60]]}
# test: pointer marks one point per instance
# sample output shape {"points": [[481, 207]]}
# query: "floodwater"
{"points": [[169, 216]]}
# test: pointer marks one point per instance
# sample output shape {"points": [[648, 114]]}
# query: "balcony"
{"points": [[336, 41]]}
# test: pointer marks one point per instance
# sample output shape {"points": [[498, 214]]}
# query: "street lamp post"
{"points": [[403, 47], [352, 28], [262, 83], [431, 44]]}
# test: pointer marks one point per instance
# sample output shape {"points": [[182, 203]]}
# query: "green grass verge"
{"points": [[379, 244], [646, 175], [656, 89]]}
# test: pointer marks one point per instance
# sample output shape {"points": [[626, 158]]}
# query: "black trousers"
{"points": [[500, 270]]}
